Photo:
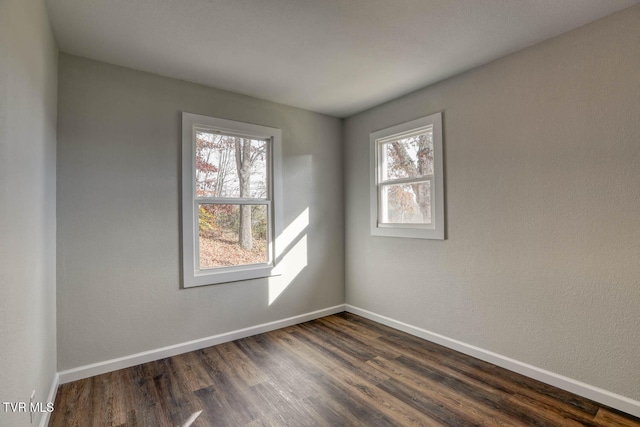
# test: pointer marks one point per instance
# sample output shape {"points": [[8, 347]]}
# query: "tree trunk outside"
{"points": [[245, 239], [243, 164], [423, 199], [423, 193]]}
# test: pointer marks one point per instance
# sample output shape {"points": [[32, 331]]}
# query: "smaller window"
{"points": [[407, 186]]}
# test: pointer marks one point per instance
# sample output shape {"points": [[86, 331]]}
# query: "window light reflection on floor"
{"points": [[191, 419]]}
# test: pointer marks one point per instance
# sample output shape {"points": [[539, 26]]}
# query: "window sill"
{"points": [[234, 274], [408, 232]]}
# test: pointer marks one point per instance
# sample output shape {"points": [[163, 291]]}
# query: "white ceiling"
{"points": [[337, 57]]}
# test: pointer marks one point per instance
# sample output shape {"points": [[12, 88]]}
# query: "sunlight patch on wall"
{"points": [[291, 257], [291, 233]]}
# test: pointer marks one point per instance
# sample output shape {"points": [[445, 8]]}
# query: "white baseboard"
{"points": [[160, 353], [599, 395], [44, 420]]}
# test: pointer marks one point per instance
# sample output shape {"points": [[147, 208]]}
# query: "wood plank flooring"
{"points": [[341, 370]]}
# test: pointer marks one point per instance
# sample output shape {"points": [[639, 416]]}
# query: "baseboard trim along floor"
{"points": [[44, 420], [173, 350], [599, 395]]}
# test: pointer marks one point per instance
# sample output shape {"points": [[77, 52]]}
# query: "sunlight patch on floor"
{"points": [[191, 419]]}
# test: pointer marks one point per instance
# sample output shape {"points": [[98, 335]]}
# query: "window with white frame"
{"points": [[230, 199], [407, 186]]}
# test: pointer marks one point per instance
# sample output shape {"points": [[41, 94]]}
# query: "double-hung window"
{"points": [[407, 186], [230, 199]]}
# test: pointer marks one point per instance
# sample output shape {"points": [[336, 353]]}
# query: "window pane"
{"points": [[409, 157], [230, 166], [232, 235], [407, 203]]}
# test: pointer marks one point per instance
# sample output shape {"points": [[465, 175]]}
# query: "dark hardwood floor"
{"points": [[335, 371]]}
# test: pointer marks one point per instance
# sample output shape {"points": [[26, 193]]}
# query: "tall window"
{"points": [[231, 188], [407, 184]]}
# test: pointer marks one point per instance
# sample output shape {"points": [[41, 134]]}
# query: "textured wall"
{"points": [[119, 279], [542, 164], [28, 58]]}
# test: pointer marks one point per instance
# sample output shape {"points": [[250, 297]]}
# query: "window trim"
{"points": [[191, 275], [436, 230]]}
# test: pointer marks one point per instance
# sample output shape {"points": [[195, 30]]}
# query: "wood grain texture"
{"points": [[341, 370]]}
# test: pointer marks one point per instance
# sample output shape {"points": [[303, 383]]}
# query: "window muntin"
{"points": [[407, 188], [231, 190]]}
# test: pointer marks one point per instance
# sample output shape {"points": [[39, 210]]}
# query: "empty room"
{"points": [[319, 213]]}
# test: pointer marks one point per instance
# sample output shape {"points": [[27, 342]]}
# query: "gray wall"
{"points": [[28, 58], [542, 164], [118, 214]]}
